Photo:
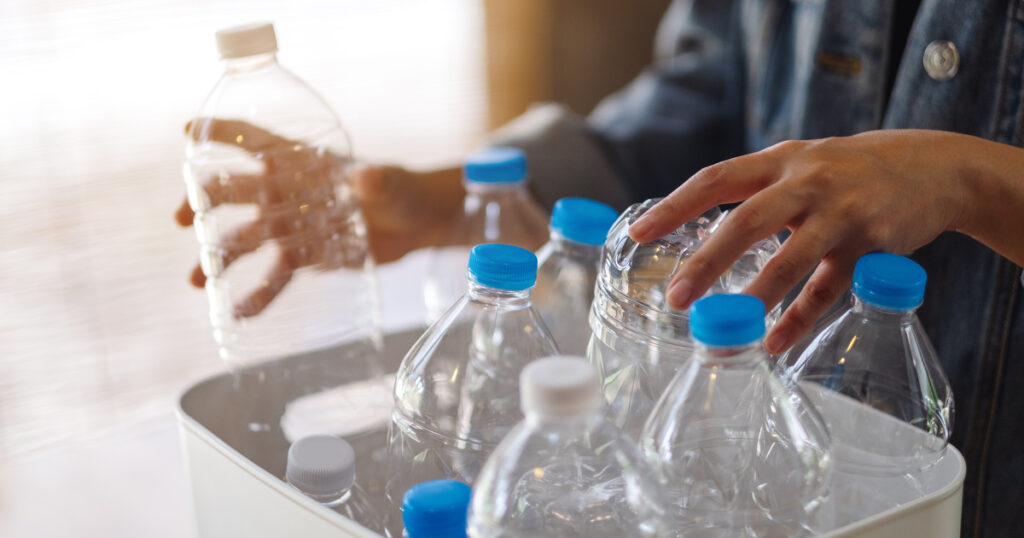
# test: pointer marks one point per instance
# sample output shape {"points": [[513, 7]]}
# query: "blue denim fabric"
{"points": [[735, 77]]}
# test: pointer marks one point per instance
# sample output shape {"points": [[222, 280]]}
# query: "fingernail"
{"points": [[776, 342], [640, 227], [679, 294]]}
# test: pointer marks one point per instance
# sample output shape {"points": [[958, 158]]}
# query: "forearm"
{"points": [[994, 210]]}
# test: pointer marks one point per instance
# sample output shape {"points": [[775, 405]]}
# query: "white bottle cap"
{"points": [[321, 465], [246, 40], [560, 387]]}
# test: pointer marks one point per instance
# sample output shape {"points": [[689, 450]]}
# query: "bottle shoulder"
{"points": [[277, 101]]}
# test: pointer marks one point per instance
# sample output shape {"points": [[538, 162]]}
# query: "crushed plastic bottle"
{"points": [[567, 270], [740, 452], [874, 352], [497, 209], [456, 391], [639, 342], [565, 471]]}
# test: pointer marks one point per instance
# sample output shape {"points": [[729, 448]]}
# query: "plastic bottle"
{"points": [[639, 342], [567, 270], [323, 467], [284, 249], [564, 470], [740, 452], [497, 209], [456, 391], [874, 352], [266, 172], [436, 509]]}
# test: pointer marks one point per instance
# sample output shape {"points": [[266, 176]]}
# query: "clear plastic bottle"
{"points": [[497, 209], [639, 342], [456, 391], [266, 174], [567, 270], [565, 470], [323, 467], [874, 352], [740, 452], [436, 509], [284, 249]]}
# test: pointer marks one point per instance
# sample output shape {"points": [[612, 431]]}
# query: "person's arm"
{"points": [[890, 191]]}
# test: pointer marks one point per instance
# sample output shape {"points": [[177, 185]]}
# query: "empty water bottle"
{"points": [[497, 209], [565, 470], [436, 509], [324, 467], [567, 270], [456, 391], [639, 342], [283, 242], [283, 247], [874, 352], [739, 451]]}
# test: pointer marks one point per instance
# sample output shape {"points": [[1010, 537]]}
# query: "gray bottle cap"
{"points": [[321, 465], [560, 387]]}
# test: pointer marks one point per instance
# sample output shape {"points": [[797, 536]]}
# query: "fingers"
{"points": [[238, 189], [242, 240], [262, 296], [797, 257], [728, 181], [762, 215], [197, 278], [229, 189], [242, 134], [184, 215], [828, 283]]}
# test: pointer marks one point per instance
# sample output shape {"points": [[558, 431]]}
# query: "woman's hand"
{"points": [[298, 195], [890, 191]]}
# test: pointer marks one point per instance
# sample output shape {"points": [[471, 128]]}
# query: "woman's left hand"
{"points": [[891, 191]]}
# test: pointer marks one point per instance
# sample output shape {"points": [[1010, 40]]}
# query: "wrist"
{"points": [[994, 200]]}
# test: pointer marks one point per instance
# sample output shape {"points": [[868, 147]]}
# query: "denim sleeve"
{"points": [[681, 114]]}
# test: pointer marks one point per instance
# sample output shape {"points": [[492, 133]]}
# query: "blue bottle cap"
{"points": [[503, 266], [727, 319], [582, 220], [496, 165], [889, 281], [436, 509]]}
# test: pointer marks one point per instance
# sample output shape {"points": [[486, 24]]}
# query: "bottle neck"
{"points": [[748, 355], [483, 189], [485, 294], [573, 249], [329, 500], [881, 314], [583, 421], [248, 64]]}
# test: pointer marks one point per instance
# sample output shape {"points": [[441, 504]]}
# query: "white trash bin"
{"points": [[238, 491]]}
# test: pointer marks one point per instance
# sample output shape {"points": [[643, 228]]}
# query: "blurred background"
{"points": [[99, 330]]}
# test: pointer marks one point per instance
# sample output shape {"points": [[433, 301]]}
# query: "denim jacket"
{"points": [[735, 77]]}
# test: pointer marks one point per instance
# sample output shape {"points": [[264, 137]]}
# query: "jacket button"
{"points": [[941, 60]]}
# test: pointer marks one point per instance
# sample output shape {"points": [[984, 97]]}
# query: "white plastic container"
{"points": [[238, 489]]}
